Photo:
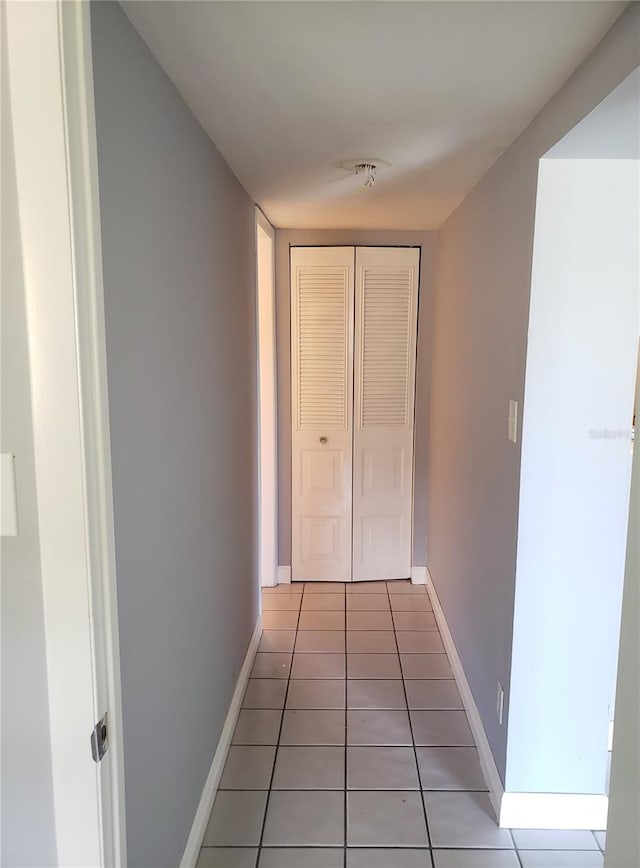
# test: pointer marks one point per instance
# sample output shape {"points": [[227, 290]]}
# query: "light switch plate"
{"points": [[513, 421], [9, 514], [500, 703]]}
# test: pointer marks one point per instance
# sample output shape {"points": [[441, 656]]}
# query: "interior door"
{"points": [[322, 298], [385, 352]]}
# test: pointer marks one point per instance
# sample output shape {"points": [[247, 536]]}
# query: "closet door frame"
{"points": [[351, 406]]}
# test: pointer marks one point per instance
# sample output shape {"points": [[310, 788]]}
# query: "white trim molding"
{"points": [[553, 811], [284, 574], [84, 197], [267, 400], [199, 827], [53, 125], [418, 575], [487, 762]]}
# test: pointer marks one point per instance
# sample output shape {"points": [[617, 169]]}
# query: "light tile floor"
{"points": [[352, 748]]}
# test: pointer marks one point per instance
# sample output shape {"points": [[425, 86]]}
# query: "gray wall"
{"points": [[28, 830], [285, 238], [623, 838], [482, 291], [178, 249]]}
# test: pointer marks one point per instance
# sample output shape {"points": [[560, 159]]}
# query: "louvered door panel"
{"points": [[322, 305], [385, 348], [386, 342], [322, 292]]}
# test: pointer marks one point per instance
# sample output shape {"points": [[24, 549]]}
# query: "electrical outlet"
{"points": [[513, 421], [500, 703]]}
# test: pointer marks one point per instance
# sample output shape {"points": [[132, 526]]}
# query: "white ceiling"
{"points": [[289, 90]]}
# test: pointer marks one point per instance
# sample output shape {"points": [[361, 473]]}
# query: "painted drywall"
{"points": [[623, 836], [482, 288], [178, 240], [610, 132], [28, 822], [286, 238], [575, 474]]}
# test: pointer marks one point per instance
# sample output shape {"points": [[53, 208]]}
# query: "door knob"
{"points": [[323, 440]]}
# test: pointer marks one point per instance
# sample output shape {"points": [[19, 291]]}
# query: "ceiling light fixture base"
{"points": [[368, 167]]}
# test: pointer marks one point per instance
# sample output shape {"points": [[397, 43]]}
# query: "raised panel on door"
{"points": [[322, 291], [385, 349]]}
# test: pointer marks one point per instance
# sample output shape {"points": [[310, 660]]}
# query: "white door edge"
{"points": [[51, 87], [82, 158]]}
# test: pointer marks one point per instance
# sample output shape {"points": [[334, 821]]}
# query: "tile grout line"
{"points": [[515, 848], [598, 844], [364, 790], [275, 756], [346, 701], [413, 741]]}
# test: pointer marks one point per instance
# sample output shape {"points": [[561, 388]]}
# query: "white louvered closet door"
{"points": [[385, 352], [322, 293]]}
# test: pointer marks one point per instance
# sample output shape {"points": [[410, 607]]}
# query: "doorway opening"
{"points": [[576, 465]]}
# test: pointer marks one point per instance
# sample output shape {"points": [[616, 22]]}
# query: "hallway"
{"points": [[197, 407], [372, 764]]}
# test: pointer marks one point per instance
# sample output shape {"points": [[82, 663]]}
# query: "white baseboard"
{"points": [[517, 810], [553, 811], [196, 836], [418, 575], [269, 577], [487, 762], [284, 575]]}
